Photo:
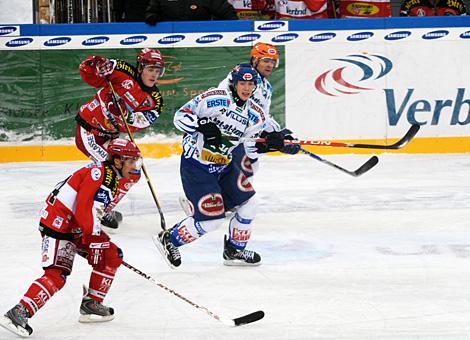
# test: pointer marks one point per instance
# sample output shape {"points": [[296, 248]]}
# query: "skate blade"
{"points": [[92, 318], [9, 326], [162, 251], [239, 263]]}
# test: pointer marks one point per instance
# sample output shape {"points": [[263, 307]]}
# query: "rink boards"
{"points": [[342, 80]]}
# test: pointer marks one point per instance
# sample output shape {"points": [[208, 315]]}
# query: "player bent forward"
{"points": [[70, 224], [211, 181]]}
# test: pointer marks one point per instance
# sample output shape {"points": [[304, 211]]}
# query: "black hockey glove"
{"points": [[211, 132], [290, 149], [273, 141]]}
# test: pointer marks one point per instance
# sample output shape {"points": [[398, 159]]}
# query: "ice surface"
{"points": [[382, 256]]}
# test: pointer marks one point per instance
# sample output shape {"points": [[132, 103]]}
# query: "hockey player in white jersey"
{"points": [[211, 181]]}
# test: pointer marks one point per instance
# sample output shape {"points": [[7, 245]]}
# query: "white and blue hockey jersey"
{"points": [[219, 107]]}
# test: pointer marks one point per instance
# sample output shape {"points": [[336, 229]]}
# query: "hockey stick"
{"points": [[398, 145], [371, 162], [162, 218], [243, 320]]}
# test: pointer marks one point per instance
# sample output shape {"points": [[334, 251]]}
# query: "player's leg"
{"points": [[239, 194], [57, 262]]}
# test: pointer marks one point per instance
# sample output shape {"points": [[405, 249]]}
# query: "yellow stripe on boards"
{"points": [[56, 153]]}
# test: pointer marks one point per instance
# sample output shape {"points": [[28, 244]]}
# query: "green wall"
{"points": [[41, 91]]}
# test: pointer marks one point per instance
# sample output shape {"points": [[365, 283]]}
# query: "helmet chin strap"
{"points": [[235, 96]]}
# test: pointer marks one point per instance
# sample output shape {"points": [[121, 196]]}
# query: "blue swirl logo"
{"points": [[19, 42], [465, 35], [136, 39], [207, 39], [435, 34], [397, 35], [171, 39], [284, 37], [57, 41], [5, 30], [247, 38], [95, 41], [271, 25], [336, 82], [360, 36], [322, 37]]}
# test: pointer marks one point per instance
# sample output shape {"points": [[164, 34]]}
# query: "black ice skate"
{"points": [[170, 253], [235, 257], [112, 219], [16, 321], [94, 311]]}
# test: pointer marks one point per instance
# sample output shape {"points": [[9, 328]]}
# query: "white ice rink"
{"points": [[382, 256]]}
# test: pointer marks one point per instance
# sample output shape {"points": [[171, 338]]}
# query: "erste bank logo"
{"points": [[347, 78]]}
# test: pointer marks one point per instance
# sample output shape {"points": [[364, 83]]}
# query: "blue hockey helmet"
{"points": [[243, 72]]}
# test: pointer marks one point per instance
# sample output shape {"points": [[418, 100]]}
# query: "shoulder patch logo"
{"points": [[95, 174]]}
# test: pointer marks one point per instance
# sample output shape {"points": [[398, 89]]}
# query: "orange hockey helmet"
{"points": [[262, 50]]}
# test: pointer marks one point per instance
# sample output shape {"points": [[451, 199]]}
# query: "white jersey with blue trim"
{"points": [[218, 106], [261, 96]]}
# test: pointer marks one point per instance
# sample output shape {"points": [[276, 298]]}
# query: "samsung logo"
{"points": [[285, 37], [397, 35], [247, 38], [271, 25], [322, 37], [435, 34], [207, 39], [6, 30], [171, 39], [95, 41], [360, 36], [465, 35], [19, 42], [57, 41], [133, 40]]}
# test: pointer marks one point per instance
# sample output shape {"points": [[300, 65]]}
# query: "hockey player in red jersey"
{"points": [[70, 224], [99, 120]]}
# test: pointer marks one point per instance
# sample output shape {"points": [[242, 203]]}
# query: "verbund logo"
{"points": [[95, 41], [435, 34], [207, 39], [270, 25], [7, 30], [322, 37], [19, 42], [284, 37], [247, 38], [397, 35], [171, 39], [57, 41], [343, 80], [360, 36], [136, 39]]}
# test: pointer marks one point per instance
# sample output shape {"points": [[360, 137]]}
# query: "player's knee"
{"points": [[114, 256], [210, 225], [248, 209]]}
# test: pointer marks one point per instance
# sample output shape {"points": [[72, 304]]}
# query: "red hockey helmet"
{"points": [[123, 148], [150, 56]]}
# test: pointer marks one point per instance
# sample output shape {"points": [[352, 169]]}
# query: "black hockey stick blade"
{"points": [[249, 318], [398, 145], [366, 166]]}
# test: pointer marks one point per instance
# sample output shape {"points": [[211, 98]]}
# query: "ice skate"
{"points": [[94, 311], [112, 219], [16, 321], [235, 257], [167, 249]]}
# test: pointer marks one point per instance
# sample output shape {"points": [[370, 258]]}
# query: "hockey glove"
{"points": [[290, 149], [97, 246], [211, 132], [104, 67], [273, 141]]}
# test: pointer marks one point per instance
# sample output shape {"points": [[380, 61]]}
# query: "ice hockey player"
{"points": [[99, 119], [70, 224], [211, 181]]}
